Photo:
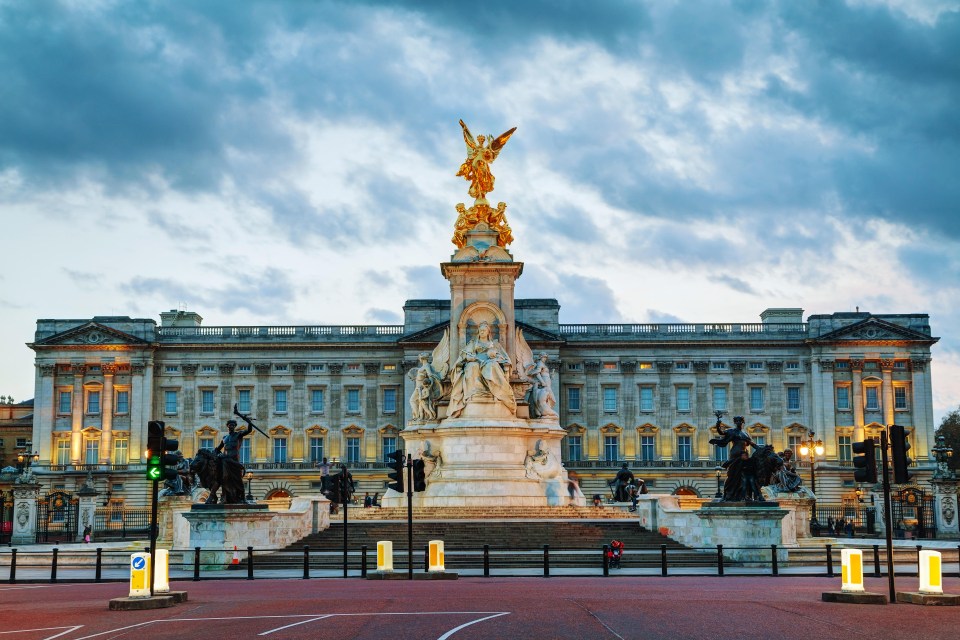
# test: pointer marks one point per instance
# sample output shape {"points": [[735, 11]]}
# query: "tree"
{"points": [[950, 428]]}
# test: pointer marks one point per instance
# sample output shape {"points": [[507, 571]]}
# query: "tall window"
{"points": [[279, 400], [611, 447], [756, 398], [93, 402], [759, 439], [92, 452], [610, 399], [720, 454], [793, 398], [793, 442], [899, 397], [244, 451], [575, 448], [646, 398], [64, 401], [353, 400], [843, 398], [63, 452], [122, 405], [389, 446], [683, 398], [720, 398], [206, 401], [243, 400], [120, 451], [844, 450], [872, 398], [648, 448], [389, 400], [169, 402], [353, 450], [573, 398], [684, 448], [316, 449], [279, 450], [316, 400], [207, 443]]}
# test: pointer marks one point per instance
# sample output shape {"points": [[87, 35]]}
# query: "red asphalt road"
{"points": [[475, 608]]}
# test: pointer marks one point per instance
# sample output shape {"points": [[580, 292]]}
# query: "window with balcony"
{"points": [[353, 450], [316, 449], [244, 451], [92, 451], [63, 452], [844, 449], [720, 454], [279, 450], [121, 451], [389, 446]]}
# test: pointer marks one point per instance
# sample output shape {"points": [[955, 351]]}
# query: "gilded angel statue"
{"points": [[427, 381], [540, 398], [480, 154]]}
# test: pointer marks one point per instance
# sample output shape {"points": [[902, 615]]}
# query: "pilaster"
{"points": [[856, 371], [592, 409], [629, 409], [664, 412], [886, 369], [336, 411], [76, 415], [25, 514], [106, 422], [43, 411]]}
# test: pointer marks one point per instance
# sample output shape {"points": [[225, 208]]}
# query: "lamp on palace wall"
{"points": [[812, 449], [248, 476], [719, 486], [25, 459], [942, 453]]}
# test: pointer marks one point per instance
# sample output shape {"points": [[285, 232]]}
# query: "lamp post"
{"points": [[942, 454], [719, 486], [248, 476], [812, 448], [25, 459]]}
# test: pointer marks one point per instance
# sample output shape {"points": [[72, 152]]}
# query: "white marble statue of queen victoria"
{"points": [[481, 370]]}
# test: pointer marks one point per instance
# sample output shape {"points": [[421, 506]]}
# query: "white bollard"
{"points": [[385, 556], [851, 570], [931, 579], [161, 583], [436, 555], [140, 575]]}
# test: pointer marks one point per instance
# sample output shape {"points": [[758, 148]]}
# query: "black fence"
{"points": [[845, 520], [120, 524]]}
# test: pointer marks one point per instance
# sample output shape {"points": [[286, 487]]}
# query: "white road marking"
{"points": [[39, 586], [467, 624], [292, 624], [65, 631]]}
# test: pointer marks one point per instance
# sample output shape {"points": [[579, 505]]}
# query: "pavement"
{"points": [[742, 607]]}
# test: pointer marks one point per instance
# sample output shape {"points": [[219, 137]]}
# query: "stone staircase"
{"points": [[606, 512]]}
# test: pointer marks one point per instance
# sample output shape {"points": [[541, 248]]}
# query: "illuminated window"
{"points": [[353, 367], [645, 365], [610, 366], [389, 368], [63, 452]]}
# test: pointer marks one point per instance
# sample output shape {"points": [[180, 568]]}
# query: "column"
{"points": [[628, 387], [335, 411], [141, 407], [592, 410], [737, 389], [886, 368], [43, 411], [371, 413], [701, 408], [856, 368], [664, 412], [189, 402], [776, 407], [823, 412], [922, 409], [106, 408], [260, 449], [298, 412], [76, 414]]}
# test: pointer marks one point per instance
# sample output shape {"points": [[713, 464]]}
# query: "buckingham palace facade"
{"points": [[644, 394]]}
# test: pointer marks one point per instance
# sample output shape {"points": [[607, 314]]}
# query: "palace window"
{"points": [[279, 450], [120, 451], [611, 447], [756, 399], [207, 443], [243, 368], [208, 368], [900, 364], [648, 448], [353, 450], [844, 449], [900, 398], [719, 366], [280, 368], [316, 400], [316, 449], [353, 367], [719, 398], [793, 398], [121, 405], [64, 402], [206, 401], [243, 400], [316, 367], [756, 366], [573, 399], [645, 365], [719, 454], [610, 399], [170, 402], [792, 366], [389, 368], [682, 366], [843, 398], [389, 446], [759, 439], [842, 364], [93, 402], [683, 398], [279, 400], [646, 398], [353, 400], [872, 398], [574, 366], [244, 451], [63, 452], [171, 368], [92, 451], [389, 400], [610, 366], [575, 448], [684, 448]]}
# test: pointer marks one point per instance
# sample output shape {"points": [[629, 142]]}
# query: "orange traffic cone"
{"points": [[236, 556]]}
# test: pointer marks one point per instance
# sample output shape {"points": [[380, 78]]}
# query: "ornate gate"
{"points": [[912, 510], [57, 516], [6, 517]]}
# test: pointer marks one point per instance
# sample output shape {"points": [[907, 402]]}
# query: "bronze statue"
{"points": [[221, 469], [733, 490]]}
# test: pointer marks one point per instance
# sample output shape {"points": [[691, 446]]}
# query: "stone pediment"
{"points": [[91, 334], [875, 330]]}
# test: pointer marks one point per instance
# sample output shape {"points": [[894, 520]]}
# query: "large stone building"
{"points": [[641, 393]]}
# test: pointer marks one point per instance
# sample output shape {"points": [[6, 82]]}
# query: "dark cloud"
{"points": [[85, 279], [663, 317], [734, 283], [582, 298]]}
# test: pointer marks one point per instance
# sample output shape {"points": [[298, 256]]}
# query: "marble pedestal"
{"points": [[485, 463], [736, 527]]}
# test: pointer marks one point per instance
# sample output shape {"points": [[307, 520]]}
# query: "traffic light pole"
{"points": [[153, 534], [346, 510], [887, 517], [409, 517]]}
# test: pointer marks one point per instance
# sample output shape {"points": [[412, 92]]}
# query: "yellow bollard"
{"points": [[930, 572], [851, 572], [140, 575], [385, 556], [436, 555], [161, 583]]}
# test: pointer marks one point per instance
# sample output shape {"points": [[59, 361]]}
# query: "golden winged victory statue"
{"points": [[481, 152]]}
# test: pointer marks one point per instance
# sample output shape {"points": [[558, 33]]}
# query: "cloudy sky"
{"points": [[293, 162]]}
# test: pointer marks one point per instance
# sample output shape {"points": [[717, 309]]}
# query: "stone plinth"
{"points": [[173, 527], [743, 526], [860, 597], [486, 462], [796, 524], [929, 599], [945, 508], [25, 513]]}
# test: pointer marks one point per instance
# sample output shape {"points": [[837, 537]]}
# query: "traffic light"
{"points": [[865, 462], [346, 486], [419, 479], [398, 461], [899, 445], [161, 465], [335, 484]]}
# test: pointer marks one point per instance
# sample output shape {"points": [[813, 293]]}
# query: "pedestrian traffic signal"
{"points": [[335, 484], [419, 479], [899, 445], [398, 460], [161, 465], [865, 462]]}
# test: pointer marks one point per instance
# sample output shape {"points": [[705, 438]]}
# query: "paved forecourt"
{"points": [[474, 608]]}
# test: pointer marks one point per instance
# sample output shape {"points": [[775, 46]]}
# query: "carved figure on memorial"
{"points": [[427, 378], [535, 371], [740, 440], [481, 152], [786, 479], [481, 371], [433, 462]]}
